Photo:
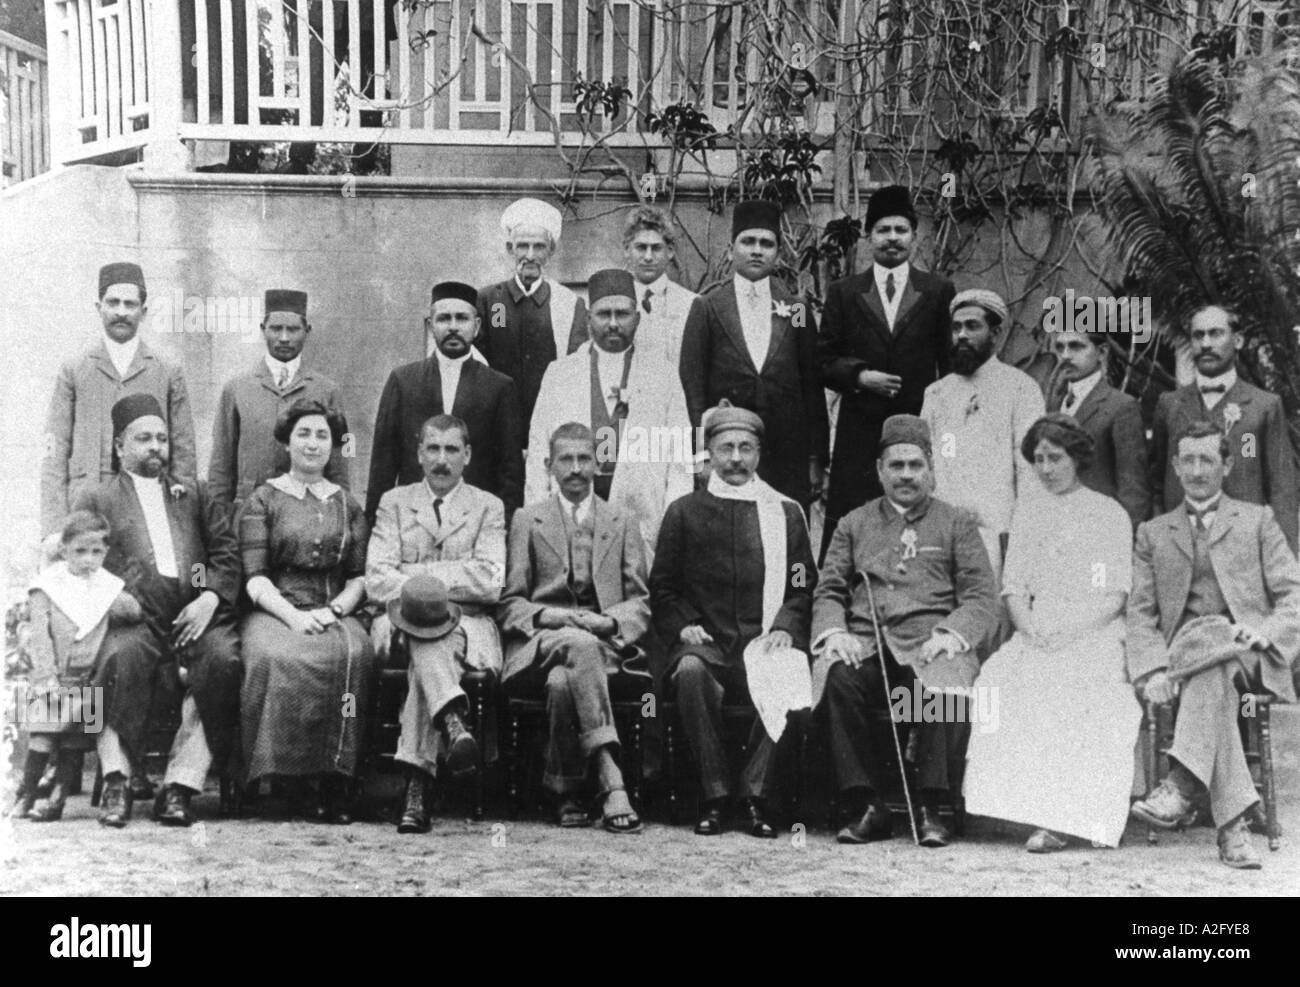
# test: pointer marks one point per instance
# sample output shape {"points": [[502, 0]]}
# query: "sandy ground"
{"points": [[287, 857]]}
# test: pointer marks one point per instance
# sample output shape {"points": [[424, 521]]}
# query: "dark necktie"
{"points": [[1214, 388], [889, 286], [645, 301], [437, 510], [1198, 517]]}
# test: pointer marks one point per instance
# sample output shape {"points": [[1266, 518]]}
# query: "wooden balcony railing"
{"points": [[24, 110]]}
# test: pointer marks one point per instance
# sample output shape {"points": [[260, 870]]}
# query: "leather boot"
{"points": [[415, 811], [51, 810], [115, 802], [462, 748], [32, 771]]}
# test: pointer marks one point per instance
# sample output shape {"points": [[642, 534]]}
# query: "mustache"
{"points": [[442, 471]]}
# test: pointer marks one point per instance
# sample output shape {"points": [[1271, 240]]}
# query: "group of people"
{"points": [[566, 493]]}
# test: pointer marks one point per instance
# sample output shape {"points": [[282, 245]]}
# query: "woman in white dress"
{"points": [[1059, 754]]}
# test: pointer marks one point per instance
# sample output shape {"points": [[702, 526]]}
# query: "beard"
{"points": [[965, 359]]}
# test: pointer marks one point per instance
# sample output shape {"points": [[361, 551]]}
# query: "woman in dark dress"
{"points": [[308, 662]]}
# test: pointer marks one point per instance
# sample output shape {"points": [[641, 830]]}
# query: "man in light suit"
{"points": [[649, 249], [753, 343], [884, 340], [1211, 556], [574, 606], [244, 451], [629, 399], [444, 528], [174, 547], [452, 382], [1263, 461], [1111, 417], [78, 431], [529, 319]]}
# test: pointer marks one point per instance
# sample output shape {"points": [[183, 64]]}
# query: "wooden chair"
{"points": [[527, 718], [1256, 740], [390, 695]]}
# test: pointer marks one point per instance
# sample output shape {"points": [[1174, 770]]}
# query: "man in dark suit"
{"points": [[173, 546], [733, 570], [1263, 461], [1111, 417], [751, 342], [1211, 557], [884, 340], [574, 606], [450, 382]]}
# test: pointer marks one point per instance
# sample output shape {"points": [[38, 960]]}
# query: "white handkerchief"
{"points": [[779, 681]]}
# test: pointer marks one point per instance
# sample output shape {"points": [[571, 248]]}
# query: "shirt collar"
{"points": [[1228, 379], [322, 489], [122, 353], [145, 482], [656, 287], [1204, 506], [447, 362], [900, 274], [584, 506], [273, 365], [1082, 387], [910, 515], [764, 286], [448, 496], [540, 294]]}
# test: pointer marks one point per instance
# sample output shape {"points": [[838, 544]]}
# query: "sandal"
{"points": [[623, 819], [572, 814]]}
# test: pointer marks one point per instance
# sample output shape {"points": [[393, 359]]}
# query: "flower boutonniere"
{"points": [[782, 310], [1231, 415]]}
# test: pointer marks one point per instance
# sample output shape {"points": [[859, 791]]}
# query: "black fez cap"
{"points": [[905, 430], [286, 300], [611, 281], [889, 200], [458, 290], [121, 272], [134, 406], [756, 214]]}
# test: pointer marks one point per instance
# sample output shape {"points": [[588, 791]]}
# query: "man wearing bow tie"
{"points": [[244, 451], [750, 342], [1263, 460], [978, 416], [631, 401], [649, 249], [445, 528]]}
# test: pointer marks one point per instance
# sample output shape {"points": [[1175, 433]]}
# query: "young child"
{"points": [[72, 604]]}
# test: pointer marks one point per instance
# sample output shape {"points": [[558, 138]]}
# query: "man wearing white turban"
{"points": [[978, 415], [529, 320]]}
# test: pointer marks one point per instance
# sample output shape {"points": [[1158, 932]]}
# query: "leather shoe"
{"points": [[933, 833], [877, 823], [115, 803], [710, 822], [1165, 807], [1236, 849], [415, 814], [462, 748], [176, 809], [758, 824], [142, 788]]}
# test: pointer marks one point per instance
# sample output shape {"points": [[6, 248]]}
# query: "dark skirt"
{"points": [[305, 697]]}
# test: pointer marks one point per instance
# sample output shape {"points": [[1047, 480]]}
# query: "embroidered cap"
{"points": [[990, 301], [905, 430], [133, 407], [726, 416]]}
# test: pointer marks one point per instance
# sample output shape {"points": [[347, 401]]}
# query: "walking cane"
{"points": [[884, 681]]}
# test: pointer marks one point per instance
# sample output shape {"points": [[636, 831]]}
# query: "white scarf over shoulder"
{"points": [[771, 532]]}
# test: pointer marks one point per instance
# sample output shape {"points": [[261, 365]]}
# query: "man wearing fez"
{"points": [[649, 248], [978, 416], [1263, 461], [1111, 417], [244, 451], [172, 544], [449, 382], [732, 580], [78, 431], [936, 602], [884, 340], [441, 528], [574, 607], [1215, 607], [631, 401], [753, 343], [529, 319]]}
